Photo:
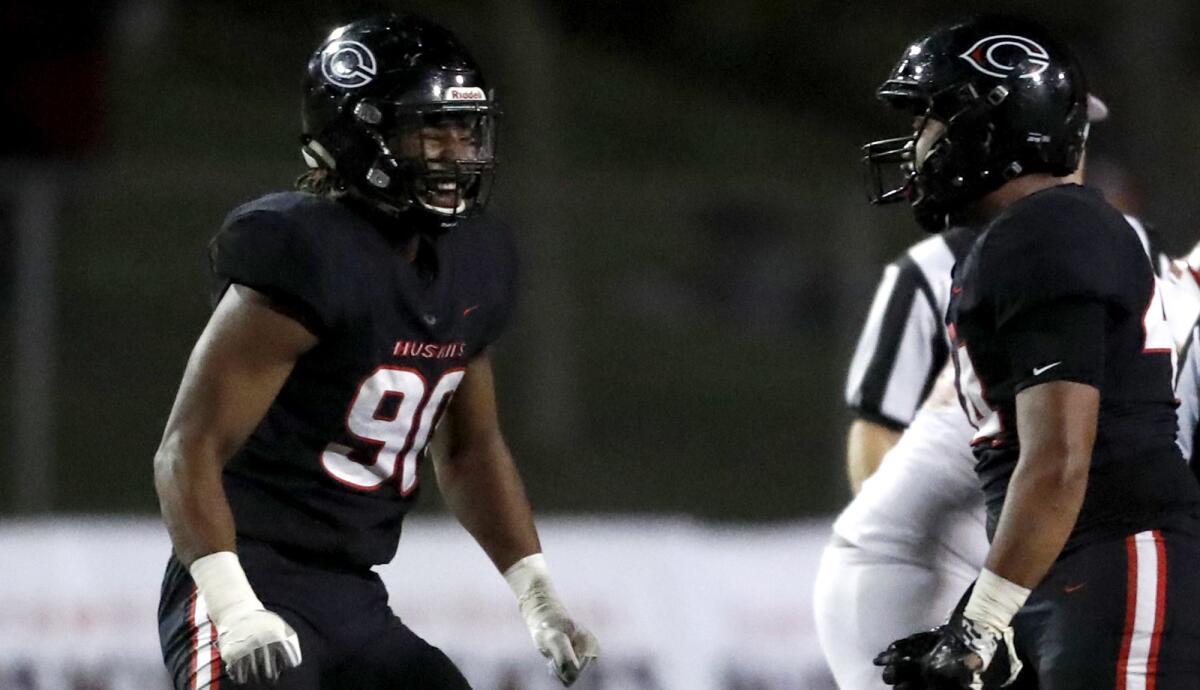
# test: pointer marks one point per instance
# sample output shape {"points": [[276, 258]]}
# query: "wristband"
{"points": [[994, 600], [529, 575], [223, 584]]}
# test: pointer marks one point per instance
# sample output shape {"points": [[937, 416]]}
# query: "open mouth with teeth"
{"points": [[446, 157], [442, 194]]}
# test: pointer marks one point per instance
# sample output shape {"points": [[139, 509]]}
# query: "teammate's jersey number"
{"points": [[395, 411]]}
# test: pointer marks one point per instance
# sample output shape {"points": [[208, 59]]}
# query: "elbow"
{"points": [[180, 456], [166, 464]]}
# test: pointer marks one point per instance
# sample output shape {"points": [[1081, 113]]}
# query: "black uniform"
{"points": [[1058, 288], [320, 489]]}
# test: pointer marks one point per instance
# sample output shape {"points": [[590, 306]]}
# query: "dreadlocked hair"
{"points": [[321, 181]]}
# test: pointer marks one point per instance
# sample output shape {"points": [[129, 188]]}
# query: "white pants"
{"points": [[865, 601]]}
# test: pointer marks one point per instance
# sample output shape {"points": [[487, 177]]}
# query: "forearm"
{"points": [[254, 643], [481, 485], [1044, 498], [866, 444], [193, 503]]}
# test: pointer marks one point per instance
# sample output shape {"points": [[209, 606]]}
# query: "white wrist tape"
{"points": [[529, 575], [222, 582], [994, 600]]}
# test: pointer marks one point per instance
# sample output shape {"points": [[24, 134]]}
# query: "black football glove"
{"points": [[902, 661], [960, 655]]}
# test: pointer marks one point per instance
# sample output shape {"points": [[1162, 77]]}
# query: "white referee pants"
{"points": [[864, 601]]}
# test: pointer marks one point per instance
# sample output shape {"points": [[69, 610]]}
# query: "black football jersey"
{"points": [[332, 468], [1058, 287]]}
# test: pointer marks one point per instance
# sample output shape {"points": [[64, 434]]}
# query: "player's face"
{"points": [[929, 130], [444, 142]]}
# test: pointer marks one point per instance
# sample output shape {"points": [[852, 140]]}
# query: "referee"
{"points": [[902, 349]]}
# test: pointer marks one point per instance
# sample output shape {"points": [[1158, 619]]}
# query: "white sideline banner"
{"points": [[677, 605]]}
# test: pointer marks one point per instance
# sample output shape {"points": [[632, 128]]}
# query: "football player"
{"points": [[351, 316], [1063, 362], [916, 524], [913, 538]]}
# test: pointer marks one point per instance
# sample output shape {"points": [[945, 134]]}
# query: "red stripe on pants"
{"points": [[1159, 611], [1130, 610]]}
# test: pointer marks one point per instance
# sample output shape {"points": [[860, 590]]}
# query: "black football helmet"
{"points": [[1013, 100], [399, 111]]}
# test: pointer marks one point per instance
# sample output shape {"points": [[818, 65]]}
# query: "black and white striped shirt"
{"points": [[904, 345]]}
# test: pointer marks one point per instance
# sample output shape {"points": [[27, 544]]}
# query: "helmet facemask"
{"points": [[889, 169], [438, 159], [938, 176]]}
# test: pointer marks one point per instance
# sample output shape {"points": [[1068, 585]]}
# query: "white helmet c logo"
{"points": [[348, 64], [1003, 54]]}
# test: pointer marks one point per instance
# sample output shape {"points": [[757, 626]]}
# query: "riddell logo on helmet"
{"points": [[1003, 55], [465, 93]]}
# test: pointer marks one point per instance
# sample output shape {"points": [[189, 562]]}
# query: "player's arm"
{"points": [[1057, 350], [481, 485], [1057, 427], [477, 475], [866, 444], [240, 362]]}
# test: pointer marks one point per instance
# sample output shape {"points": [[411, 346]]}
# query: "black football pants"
{"points": [[348, 636], [1118, 614]]}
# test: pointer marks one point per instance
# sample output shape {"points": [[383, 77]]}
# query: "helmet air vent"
{"points": [[378, 178], [367, 113]]}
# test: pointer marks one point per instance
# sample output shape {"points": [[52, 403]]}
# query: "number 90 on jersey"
{"points": [[396, 432]]}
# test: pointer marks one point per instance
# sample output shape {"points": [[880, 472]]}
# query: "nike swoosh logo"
{"points": [[1038, 371], [1074, 588], [468, 310]]}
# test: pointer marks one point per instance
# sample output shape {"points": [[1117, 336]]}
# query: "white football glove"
{"points": [[255, 644], [567, 646]]}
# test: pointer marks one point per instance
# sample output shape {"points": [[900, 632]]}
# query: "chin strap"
{"points": [[317, 156], [411, 220]]}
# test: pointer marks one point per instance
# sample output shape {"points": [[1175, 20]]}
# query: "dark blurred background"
{"points": [[683, 178]]}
